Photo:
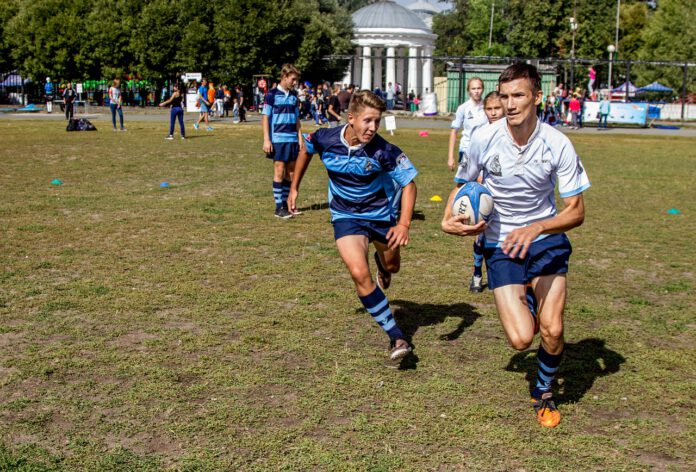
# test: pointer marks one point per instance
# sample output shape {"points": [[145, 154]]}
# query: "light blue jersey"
{"points": [[365, 181]]}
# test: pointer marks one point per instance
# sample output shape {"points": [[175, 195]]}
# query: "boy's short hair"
{"points": [[366, 99], [491, 96], [522, 70], [288, 69]]}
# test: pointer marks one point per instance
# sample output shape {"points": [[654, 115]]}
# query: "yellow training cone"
{"points": [[435, 198]]}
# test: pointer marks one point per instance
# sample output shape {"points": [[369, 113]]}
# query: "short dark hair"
{"points": [[521, 70]]}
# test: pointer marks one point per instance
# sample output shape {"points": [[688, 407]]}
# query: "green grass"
{"points": [[186, 328]]}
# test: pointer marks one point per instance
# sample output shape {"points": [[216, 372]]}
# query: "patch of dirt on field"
{"points": [[659, 461], [134, 341]]}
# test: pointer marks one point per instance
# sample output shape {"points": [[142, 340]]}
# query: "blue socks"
{"points": [[548, 366], [377, 305], [478, 259], [278, 194], [285, 190]]}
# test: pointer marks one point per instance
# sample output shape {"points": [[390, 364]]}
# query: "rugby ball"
{"points": [[473, 200]]}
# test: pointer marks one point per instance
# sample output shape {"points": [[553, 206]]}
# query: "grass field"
{"points": [[186, 328]]}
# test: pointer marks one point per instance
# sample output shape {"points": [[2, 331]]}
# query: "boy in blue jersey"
{"points": [[525, 246], [371, 199], [282, 135]]}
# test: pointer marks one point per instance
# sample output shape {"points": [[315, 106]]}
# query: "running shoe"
{"points": [[383, 275], [196, 126], [548, 415], [476, 284], [169, 138], [283, 213], [209, 128], [398, 353]]}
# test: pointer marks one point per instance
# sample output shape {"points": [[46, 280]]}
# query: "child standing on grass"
{"points": [[177, 112], [282, 135], [371, 199]]}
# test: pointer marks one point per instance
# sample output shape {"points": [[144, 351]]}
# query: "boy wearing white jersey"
{"points": [[522, 160], [469, 116]]}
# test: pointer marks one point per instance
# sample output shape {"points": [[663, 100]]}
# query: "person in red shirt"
{"points": [[574, 108]]}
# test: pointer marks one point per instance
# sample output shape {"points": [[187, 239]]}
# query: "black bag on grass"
{"points": [[80, 124]]}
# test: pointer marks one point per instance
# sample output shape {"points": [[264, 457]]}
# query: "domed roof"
{"points": [[385, 14]]}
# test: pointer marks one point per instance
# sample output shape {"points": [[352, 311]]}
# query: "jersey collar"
{"points": [[532, 137], [345, 143]]}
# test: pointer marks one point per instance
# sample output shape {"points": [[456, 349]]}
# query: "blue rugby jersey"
{"points": [[365, 181], [282, 109]]}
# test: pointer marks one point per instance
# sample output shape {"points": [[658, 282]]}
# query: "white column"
{"points": [[427, 69], [366, 82], [357, 67], [400, 67], [412, 70], [391, 66], [377, 77]]}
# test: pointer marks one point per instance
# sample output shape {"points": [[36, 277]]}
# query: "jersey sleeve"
{"points": [[572, 178], [268, 106], [399, 166], [313, 142], [458, 118], [470, 163]]}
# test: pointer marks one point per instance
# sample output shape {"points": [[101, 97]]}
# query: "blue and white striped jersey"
{"points": [[522, 179], [282, 109], [365, 181]]}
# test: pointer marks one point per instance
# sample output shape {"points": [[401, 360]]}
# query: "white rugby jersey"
{"points": [[468, 117], [522, 179]]}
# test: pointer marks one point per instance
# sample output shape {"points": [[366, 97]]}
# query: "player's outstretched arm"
{"points": [[518, 241], [451, 163], [303, 160], [300, 138], [398, 235], [457, 225]]}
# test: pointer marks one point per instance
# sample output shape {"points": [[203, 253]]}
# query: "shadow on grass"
{"points": [[315, 206], [582, 363], [411, 316]]}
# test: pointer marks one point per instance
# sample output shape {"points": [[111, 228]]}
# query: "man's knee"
{"points": [[553, 333], [520, 342]]}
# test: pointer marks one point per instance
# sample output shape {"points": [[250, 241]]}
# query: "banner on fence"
{"points": [[620, 113]]}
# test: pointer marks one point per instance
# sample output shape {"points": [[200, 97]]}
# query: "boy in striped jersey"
{"points": [[371, 199], [282, 135]]}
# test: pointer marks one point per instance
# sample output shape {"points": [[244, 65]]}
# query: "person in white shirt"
{"points": [[469, 116], [526, 249]]}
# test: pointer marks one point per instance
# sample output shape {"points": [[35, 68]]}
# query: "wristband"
{"points": [[404, 224]]}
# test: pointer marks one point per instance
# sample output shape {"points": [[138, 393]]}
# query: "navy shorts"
{"points": [[285, 152], [374, 230], [545, 257]]}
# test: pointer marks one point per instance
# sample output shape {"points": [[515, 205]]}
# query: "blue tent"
{"points": [[622, 88], [655, 87]]}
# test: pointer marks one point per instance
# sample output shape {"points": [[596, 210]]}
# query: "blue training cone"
{"points": [[164, 185], [673, 211], [56, 182]]}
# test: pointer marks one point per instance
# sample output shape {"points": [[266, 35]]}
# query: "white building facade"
{"points": [[393, 44]]}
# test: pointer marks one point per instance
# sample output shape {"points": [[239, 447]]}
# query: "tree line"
{"points": [[232, 40], [229, 40]]}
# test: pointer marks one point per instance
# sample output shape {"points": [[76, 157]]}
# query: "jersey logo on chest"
{"points": [[494, 168]]}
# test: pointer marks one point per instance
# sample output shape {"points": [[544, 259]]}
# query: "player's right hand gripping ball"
{"points": [[475, 201]]}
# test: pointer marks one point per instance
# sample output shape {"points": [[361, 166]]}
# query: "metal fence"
{"points": [[450, 75]]}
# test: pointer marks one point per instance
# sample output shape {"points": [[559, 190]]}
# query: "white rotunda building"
{"points": [[393, 44]]}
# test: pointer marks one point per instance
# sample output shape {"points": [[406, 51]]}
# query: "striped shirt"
{"points": [[365, 181], [282, 109]]}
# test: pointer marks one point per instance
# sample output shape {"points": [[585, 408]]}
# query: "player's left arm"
{"points": [[518, 241], [398, 235], [300, 138]]}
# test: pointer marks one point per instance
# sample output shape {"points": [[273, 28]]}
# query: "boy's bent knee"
{"points": [[520, 343]]}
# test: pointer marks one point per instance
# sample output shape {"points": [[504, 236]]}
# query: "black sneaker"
{"points": [[283, 213], [476, 284], [383, 275]]}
